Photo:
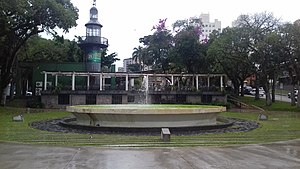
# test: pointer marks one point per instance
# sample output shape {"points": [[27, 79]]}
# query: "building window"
{"points": [[90, 99], [63, 99], [92, 32], [116, 99]]}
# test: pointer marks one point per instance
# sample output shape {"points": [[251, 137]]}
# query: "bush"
{"points": [[34, 103]]}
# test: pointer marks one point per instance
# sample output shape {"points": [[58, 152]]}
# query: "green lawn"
{"points": [[276, 106], [280, 126]]}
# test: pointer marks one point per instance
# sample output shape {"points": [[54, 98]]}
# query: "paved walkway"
{"points": [[281, 155]]}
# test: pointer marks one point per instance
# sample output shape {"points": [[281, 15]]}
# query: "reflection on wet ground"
{"points": [[278, 155]]}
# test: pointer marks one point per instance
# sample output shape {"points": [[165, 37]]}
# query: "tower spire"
{"points": [[94, 3]]}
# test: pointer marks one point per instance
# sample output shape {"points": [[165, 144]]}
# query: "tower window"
{"points": [[92, 32], [94, 16]]}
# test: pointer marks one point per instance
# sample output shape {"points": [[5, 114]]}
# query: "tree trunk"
{"points": [[12, 91], [293, 101], [242, 87], [257, 84], [268, 95], [298, 102], [236, 86], [268, 98], [3, 97], [273, 89], [256, 90]]}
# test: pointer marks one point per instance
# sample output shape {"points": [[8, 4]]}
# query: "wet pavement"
{"points": [[280, 155]]}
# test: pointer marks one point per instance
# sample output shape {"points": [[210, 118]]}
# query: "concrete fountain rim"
{"points": [[146, 109]]}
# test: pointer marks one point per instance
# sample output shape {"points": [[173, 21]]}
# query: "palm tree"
{"points": [[138, 56]]}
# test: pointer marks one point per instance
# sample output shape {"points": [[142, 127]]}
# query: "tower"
{"points": [[93, 44]]}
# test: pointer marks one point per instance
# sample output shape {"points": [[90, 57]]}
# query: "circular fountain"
{"points": [[145, 116]]}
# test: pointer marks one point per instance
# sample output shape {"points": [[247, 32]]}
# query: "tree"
{"points": [[157, 47], [138, 56], [21, 19], [230, 53], [259, 27], [108, 59], [188, 54], [290, 35], [38, 49], [157, 50]]}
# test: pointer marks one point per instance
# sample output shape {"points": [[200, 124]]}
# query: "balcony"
{"points": [[103, 42]]}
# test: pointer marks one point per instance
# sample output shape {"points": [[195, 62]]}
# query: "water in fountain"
{"points": [[144, 91]]}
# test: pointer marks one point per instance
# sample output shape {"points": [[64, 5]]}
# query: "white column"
{"points": [[88, 82], [147, 83], [45, 81], [103, 83], [172, 80], [73, 81], [56, 80], [221, 83], [101, 76], [208, 81], [26, 85], [132, 82], [126, 83], [197, 82]]}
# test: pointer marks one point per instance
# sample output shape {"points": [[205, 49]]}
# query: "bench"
{"points": [[165, 134]]}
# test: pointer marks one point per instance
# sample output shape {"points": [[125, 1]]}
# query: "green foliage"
{"points": [[157, 48], [134, 68], [108, 60], [188, 54], [138, 56], [21, 19], [57, 89], [38, 49], [230, 53]]}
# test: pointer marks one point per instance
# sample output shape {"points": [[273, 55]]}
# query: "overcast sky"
{"points": [[125, 21]]}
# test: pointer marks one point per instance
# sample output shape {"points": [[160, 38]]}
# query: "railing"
{"points": [[94, 39]]}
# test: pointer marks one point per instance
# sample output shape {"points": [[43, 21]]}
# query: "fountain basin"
{"points": [[145, 116]]}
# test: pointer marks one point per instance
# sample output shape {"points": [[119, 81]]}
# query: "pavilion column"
{"points": [[126, 83], [147, 83], [172, 80], [73, 81], [45, 81], [88, 82], [197, 82], [56, 80], [208, 83], [101, 83], [221, 83], [178, 84]]}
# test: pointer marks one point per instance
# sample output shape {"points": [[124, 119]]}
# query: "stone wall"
{"points": [[104, 99], [50, 101], [219, 99], [77, 99], [193, 99]]}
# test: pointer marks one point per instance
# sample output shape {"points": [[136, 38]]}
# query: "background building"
{"points": [[127, 62], [208, 27]]}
